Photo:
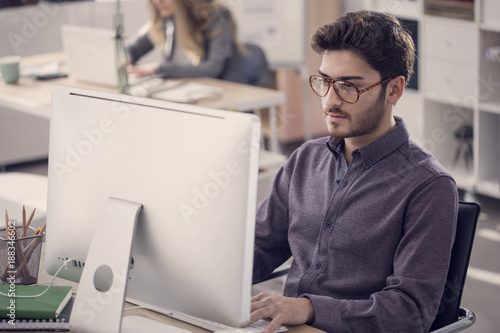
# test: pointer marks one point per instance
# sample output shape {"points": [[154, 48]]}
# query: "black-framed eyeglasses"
{"points": [[347, 91]]}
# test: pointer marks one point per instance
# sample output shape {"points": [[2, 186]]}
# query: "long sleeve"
{"points": [[271, 247], [410, 300], [371, 242], [219, 49], [139, 47]]}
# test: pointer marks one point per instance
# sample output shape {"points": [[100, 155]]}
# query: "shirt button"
{"points": [[328, 224], [338, 181], [368, 161], [318, 265]]}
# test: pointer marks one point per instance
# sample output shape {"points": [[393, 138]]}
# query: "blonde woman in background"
{"points": [[197, 38]]}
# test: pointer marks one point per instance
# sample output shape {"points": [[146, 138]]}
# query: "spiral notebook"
{"points": [[61, 324]]}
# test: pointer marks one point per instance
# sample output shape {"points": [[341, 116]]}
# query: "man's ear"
{"points": [[395, 89]]}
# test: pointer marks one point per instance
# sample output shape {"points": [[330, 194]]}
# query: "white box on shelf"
{"points": [[400, 8], [450, 41], [450, 82], [489, 14]]}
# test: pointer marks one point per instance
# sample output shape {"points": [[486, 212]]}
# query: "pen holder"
{"points": [[20, 256]]}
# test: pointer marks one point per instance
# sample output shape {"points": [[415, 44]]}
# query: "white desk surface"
{"points": [[44, 277], [33, 96]]}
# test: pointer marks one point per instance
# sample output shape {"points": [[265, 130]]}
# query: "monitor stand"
{"points": [[99, 301]]}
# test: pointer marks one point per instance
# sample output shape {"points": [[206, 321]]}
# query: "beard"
{"points": [[365, 121]]}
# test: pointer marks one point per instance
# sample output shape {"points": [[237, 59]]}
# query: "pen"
{"points": [[40, 230]]}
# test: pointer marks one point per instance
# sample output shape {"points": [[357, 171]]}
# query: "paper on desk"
{"points": [[190, 92], [43, 69]]}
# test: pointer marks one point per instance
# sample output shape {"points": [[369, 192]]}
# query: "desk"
{"points": [[32, 97], [242, 97], [44, 277]]}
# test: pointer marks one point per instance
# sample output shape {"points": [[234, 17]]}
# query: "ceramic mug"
{"points": [[10, 69]]}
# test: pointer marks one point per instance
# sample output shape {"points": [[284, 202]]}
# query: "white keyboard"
{"points": [[259, 326], [151, 85], [256, 327], [213, 326]]}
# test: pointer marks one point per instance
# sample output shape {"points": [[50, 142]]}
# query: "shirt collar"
{"points": [[377, 150]]}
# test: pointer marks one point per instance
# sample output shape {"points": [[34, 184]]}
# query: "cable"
{"points": [[135, 307], [66, 264], [146, 308]]}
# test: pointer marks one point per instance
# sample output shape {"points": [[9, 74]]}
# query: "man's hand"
{"points": [[282, 310]]}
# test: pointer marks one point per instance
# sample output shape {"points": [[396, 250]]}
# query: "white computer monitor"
{"points": [[194, 170]]}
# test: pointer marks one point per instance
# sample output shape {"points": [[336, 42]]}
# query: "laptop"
{"points": [[90, 54]]}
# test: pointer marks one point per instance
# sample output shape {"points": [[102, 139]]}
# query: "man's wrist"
{"points": [[308, 310]]}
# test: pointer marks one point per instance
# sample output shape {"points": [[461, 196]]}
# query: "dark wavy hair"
{"points": [[379, 38]]}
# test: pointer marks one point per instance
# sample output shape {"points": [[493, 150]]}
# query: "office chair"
{"points": [[255, 66], [257, 73], [451, 316]]}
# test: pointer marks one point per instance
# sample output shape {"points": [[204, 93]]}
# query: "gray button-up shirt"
{"points": [[371, 242]]}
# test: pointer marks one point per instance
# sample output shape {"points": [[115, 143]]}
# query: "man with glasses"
{"points": [[367, 215]]}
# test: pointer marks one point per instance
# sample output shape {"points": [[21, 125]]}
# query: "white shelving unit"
{"points": [[458, 87]]}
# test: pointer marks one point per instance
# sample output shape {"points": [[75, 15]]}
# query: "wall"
{"points": [[302, 118], [35, 29], [351, 5], [278, 26]]}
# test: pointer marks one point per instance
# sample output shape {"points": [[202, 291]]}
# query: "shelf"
{"points": [[461, 10], [459, 89], [491, 27], [489, 188], [464, 180], [489, 71], [441, 123], [490, 107], [465, 102], [488, 147], [454, 22], [489, 15]]}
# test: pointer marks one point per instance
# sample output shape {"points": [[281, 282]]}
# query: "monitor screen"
{"points": [[194, 170]]}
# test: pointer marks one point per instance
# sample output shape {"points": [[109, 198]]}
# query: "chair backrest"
{"points": [[468, 214], [255, 66]]}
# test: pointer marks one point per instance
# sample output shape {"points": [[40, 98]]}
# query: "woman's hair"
{"points": [[378, 38], [193, 18]]}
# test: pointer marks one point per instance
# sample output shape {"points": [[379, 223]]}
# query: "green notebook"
{"points": [[48, 306]]}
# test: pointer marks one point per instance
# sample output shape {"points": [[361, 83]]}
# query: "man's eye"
{"points": [[346, 85]]}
